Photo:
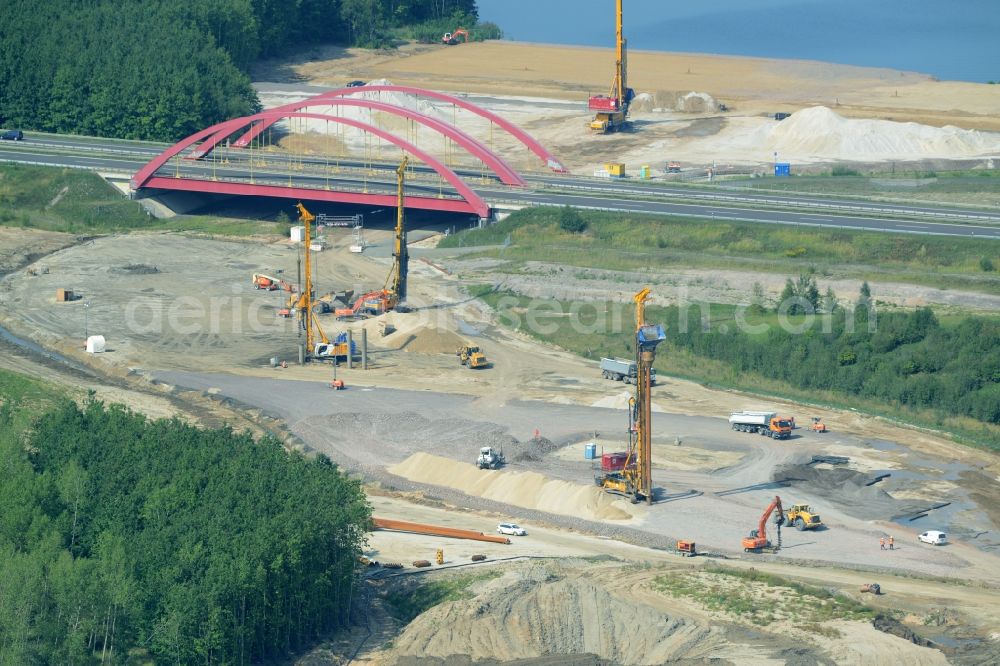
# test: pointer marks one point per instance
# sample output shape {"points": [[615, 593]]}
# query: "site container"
{"points": [[613, 462]]}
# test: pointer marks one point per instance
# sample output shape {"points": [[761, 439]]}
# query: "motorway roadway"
{"points": [[126, 157]]}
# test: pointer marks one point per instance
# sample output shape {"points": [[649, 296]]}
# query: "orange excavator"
{"points": [[451, 38], [758, 541]]}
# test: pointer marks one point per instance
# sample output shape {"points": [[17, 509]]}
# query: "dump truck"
{"points": [[623, 370], [490, 458], [472, 357], [801, 517], [768, 424]]}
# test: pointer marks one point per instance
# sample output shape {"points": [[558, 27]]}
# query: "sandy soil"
{"points": [[19, 247], [544, 89]]}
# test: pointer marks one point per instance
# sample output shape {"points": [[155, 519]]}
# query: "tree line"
{"points": [[123, 537], [163, 69], [905, 358]]}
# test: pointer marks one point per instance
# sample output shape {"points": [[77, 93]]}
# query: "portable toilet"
{"points": [[590, 451], [96, 344], [644, 171]]}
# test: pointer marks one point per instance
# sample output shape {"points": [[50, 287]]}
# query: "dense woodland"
{"points": [[121, 537], [904, 358], [163, 69]]}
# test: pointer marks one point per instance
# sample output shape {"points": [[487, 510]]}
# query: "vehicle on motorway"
{"points": [[934, 537], [355, 84], [512, 529], [12, 135]]}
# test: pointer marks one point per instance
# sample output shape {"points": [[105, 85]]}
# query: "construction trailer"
{"points": [[635, 479], [612, 109]]}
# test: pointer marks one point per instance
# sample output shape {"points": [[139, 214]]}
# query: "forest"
{"points": [[905, 358], [125, 539], [163, 69]]}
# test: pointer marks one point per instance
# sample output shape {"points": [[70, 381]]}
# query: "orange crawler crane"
{"points": [[757, 541]]}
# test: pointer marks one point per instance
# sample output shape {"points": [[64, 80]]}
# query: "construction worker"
{"points": [[881, 543], [890, 543]]}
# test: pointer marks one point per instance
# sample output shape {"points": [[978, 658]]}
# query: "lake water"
{"points": [[949, 39]]}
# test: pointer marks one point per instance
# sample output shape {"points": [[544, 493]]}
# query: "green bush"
{"points": [[570, 220]]}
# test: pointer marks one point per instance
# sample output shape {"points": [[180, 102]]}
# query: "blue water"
{"points": [[949, 39]]}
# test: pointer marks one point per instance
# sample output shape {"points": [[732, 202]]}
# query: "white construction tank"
{"points": [[96, 344]]}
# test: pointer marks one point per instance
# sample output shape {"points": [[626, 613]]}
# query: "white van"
{"points": [[934, 537]]}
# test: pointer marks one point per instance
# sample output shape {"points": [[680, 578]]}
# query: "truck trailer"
{"points": [[768, 424], [622, 370]]}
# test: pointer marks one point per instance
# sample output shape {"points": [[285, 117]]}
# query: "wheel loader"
{"points": [[801, 517], [472, 357]]}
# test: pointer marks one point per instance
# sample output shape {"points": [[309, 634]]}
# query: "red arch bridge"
{"points": [[237, 157]]}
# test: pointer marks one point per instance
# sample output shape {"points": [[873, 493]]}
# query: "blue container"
{"points": [[589, 451]]}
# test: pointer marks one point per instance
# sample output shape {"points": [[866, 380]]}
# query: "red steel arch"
{"points": [[550, 160], [146, 175], [498, 165]]}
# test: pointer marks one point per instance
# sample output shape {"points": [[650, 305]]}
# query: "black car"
{"points": [[355, 84], [12, 135]]}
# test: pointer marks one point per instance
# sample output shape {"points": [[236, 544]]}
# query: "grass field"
{"points": [[22, 398], [81, 202], [760, 598], [636, 242], [979, 187]]}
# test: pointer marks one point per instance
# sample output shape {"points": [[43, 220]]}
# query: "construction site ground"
{"points": [[187, 334]]}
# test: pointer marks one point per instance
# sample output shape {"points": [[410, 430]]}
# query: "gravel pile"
{"points": [[533, 450]]}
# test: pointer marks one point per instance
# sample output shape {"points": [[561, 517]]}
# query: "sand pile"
{"points": [[620, 401], [529, 490], [526, 620], [433, 340], [671, 100], [818, 131]]}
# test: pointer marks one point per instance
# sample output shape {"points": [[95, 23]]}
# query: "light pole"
{"points": [[86, 321]]}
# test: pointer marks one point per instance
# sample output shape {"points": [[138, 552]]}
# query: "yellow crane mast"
{"points": [[612, 109], [318, 346], [635, 480], [396, 294]]}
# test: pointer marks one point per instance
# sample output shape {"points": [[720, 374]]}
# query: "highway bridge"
{"points": [[204, 163]]}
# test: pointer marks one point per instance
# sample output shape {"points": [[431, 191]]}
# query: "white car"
{"points": [[934, 537], [512, 529]]}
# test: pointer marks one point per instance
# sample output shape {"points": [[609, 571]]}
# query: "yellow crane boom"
{"points": [[304, 304], [401, 258], [635, 481], [612, 109]]}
